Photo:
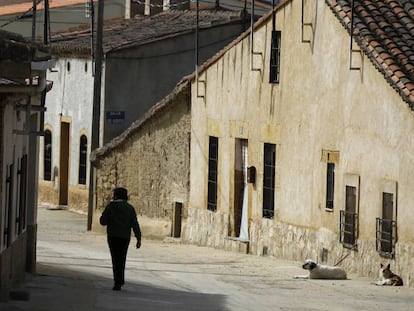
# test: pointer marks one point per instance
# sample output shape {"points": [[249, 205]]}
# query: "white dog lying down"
{"points": [[317, 271]]}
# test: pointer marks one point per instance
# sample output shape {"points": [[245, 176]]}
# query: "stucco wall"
{"points": [[14, 146], [152, 162], [70, 100], [318, 105], [148, 72]]}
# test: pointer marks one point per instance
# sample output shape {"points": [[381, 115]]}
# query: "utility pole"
{"points": [[34, 20], [96, 112], [46, 26]]}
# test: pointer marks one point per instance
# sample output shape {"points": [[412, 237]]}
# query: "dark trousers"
{"points": [[118, 248]]}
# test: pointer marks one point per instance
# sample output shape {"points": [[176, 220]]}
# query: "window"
{"points": [[212, 174], [269, 165], [330, 183], [349, 217], [47, 156], [22, 184], [275, 57], [8, 207], [83, 150], [386, 227]]}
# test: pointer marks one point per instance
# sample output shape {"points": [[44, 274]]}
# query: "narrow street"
{"points": [[74, 273]]}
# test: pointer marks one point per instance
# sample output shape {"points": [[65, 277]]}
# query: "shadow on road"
{"points": [[59, 288]]}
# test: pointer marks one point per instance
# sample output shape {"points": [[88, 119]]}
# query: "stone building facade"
{"points": [[300, 138], [151, 159]]}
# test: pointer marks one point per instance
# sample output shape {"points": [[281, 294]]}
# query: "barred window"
{"points": [[212, 174], [83, 149], [349, 218], [47, 156], [386, 227], [330, 184], [269, 165], [275, 57]]}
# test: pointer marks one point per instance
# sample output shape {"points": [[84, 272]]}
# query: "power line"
{"points": [[28, 13]]}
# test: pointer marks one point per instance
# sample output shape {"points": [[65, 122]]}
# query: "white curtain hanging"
{"points": [[244, 230]]}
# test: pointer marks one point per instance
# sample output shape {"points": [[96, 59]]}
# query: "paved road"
{"points": [[74, 273]]}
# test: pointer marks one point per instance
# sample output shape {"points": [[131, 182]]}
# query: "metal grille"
{"points": [[47, 156], [269, 180], [212, 174], [275, 57], [83, 149], [348, 228], [330, 185], [386, 237]]}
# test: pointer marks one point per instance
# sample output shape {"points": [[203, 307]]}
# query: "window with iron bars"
{"points": [[349, 218], [269, 166], [386, 227], [348, 228], [330, 185], [386, 237], [212, 174], [47, 156], [275, 57], [83, 149]]}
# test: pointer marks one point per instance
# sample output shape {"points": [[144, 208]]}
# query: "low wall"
{"points": [[77, 196]]}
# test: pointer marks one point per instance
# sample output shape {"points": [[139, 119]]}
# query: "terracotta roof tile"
{"points": [[120, 33], [385, 31]]}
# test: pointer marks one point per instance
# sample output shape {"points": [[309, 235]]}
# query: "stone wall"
{"points": [[285, 241], [77, 196], [206, 228], [151, 159]]}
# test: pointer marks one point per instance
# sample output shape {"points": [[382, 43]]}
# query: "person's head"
{"points": [[120, 194]]}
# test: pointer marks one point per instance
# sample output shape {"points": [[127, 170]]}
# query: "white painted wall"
{"points": [[71, 98]]}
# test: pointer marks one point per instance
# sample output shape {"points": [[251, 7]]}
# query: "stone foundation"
{"points": [[290, 242], [77, 196]]}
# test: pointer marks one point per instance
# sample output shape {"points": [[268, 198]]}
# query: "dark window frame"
{"points": [[47, 156], [212, 173], [83, 155], [330, 186], [8, 223], [22, 195], [348, 223], [274, 72], [269, 173], [386, 228]]}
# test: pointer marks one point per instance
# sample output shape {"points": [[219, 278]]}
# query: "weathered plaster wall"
{"points": [[69, 100], [14, 146], [318, 105], [148, 72], [152, 162]]}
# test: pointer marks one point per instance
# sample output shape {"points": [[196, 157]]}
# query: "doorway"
{"points": [[239, 228], [64, 163]]}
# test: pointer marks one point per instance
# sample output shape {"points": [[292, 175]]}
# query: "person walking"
{"points": [[120, 217]]}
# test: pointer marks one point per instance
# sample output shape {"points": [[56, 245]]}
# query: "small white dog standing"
{"points": [[317, 271], [387, 277]]}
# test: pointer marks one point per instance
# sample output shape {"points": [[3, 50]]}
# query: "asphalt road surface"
{"points": [[74, 273]]}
